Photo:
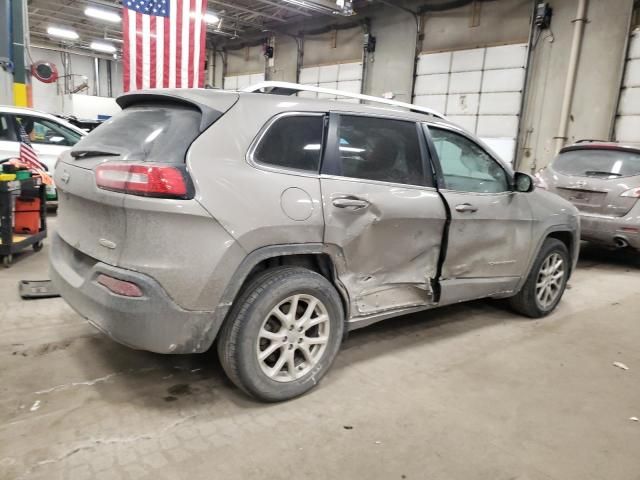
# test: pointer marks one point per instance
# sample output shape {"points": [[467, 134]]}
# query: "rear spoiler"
{"points": [[211, 104], [600, 146]]}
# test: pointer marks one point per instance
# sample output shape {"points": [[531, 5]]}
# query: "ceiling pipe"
{"points": [[569, 88]]}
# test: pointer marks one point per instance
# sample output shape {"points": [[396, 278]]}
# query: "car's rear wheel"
{"points": [[546, 282], [282, 334]]}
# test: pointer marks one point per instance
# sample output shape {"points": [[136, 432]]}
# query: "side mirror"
{"points": [[523, 182]]}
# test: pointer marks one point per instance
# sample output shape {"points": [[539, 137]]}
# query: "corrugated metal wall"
{"points": [[480, 89]]}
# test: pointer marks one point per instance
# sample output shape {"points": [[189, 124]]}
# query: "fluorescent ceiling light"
{"points": [[102, 47], [211, 18], [108, 15], [62, 33]]}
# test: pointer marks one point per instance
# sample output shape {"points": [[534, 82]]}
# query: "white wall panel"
{"points": [[350, 71], [506, 56], [465, 82], [503, 147], [628, 129], [309, 75], [338, 76], [628, 121], [237, 82], [432, 84], [479, 89], [498, 126], [462, 104], [436, 102], [430, 63], [351, 86], [632, 73], [503, 103], [328, 73], [503, 80], [634, 45], [466, 60], [468, 122]]}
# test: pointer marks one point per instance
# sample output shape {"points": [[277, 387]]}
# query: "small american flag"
{"points": [[164, 43], [29, 157]]}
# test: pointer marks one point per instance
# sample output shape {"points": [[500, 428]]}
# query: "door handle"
{"points": [[466, 207], [350, 203]]}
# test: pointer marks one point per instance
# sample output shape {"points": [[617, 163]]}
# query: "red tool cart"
{"points": [[23, 219]]}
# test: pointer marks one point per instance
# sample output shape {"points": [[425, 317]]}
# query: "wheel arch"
{"points": [[314, 256], [567, 235]]}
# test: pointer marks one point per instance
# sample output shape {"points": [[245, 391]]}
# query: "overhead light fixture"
{"points": [[211, 18], [62, 33], [100, 14], [102, 47]]}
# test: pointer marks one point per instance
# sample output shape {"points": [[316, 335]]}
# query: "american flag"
{"points": [[164, 43], [29, 157]]}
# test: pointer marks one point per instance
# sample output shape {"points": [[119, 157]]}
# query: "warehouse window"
{"points": [[293, 141]]}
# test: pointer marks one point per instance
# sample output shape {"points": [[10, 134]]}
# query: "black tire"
{"points": [[37, 246], [526, 301], [238, 339]]}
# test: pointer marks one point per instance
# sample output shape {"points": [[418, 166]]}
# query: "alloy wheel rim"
{"points": [[550, 280], [293, 337]]}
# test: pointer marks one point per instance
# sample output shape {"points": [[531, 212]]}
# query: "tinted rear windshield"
{"points": [[154, 133], [598, 163]]}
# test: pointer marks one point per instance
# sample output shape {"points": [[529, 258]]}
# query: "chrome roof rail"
{"points": [[286, 88]]}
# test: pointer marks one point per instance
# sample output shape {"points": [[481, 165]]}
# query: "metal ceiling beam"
{"points": [[248, 10], [285, 7]]}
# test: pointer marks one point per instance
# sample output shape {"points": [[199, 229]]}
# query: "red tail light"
{"points": [[121, 287], [140, 179]]}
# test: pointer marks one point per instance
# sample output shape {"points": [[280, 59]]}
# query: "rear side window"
{"points": [[155, 133], [380, 149], [7, 130], [293, 141], [598, 163], [47, 132]]}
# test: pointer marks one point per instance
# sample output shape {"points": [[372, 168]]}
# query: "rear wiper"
{"points": [[93, 153], [598, 172]]}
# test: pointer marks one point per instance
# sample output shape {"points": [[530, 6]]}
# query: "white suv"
{"points": [[50, 136]]}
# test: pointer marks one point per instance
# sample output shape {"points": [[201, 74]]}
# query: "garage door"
{"points": [[340, 76], [479, 89], [237, 82], [628, 122]]}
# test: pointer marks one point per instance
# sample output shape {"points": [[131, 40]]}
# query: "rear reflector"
{"points": [[139, 179], [127, 289]]}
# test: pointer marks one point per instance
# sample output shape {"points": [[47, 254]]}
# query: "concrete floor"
{"points": [[469, 392]]}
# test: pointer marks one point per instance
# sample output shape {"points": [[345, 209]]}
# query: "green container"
{"points": [[23, 174]]}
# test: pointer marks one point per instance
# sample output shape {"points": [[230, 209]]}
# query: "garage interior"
{"points": [[468, 391]]}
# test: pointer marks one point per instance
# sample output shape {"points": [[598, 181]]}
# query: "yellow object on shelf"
{"points": [[7, 177]]}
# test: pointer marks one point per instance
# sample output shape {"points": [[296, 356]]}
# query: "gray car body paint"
{"points": [[197, 253]]}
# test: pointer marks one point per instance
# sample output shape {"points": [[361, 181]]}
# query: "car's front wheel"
{"points": [[546, 282], [282, 334]]}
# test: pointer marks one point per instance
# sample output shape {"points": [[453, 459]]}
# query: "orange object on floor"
{"points": [[27, 215]]}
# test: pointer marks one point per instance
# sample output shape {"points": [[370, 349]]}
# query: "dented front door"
{"points": [[389, 233]]}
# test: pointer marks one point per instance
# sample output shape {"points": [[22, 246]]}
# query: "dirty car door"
{"points": [[490, 232], [381, 211]]}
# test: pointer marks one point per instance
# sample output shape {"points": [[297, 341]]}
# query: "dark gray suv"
{"points": [[273, 224]]}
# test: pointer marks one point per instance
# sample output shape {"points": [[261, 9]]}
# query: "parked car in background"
{"points": [[50, 136], [602, 179], [275, 225]]}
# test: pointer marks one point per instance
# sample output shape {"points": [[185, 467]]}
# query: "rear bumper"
{"points": [[153, 322], [605, 230]]}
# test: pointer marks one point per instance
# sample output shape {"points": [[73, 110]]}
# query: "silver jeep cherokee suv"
{"points": [[275, 224]]}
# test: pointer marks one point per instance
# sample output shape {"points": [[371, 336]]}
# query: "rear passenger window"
{"points": [[7, 130], [292, 142], [380, 149]]}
